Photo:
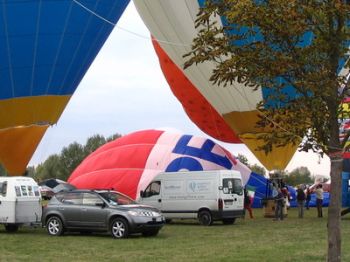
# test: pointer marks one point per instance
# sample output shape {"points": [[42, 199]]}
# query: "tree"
{"points": [[243, 159], [258, 169], [3, 171], [70, 158], [298, 176], [93, 143], [284, 44], [51, 168]]}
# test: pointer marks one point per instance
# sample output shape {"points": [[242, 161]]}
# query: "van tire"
{"points": [[11, 228], [205, 218], [54, 226], [228, 221]]}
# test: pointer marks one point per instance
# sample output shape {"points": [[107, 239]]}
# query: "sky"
{"points": [[125, 91]]}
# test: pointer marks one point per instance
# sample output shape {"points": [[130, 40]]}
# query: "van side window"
{"points": [[152, 189], [232, 186], [3, 188]]}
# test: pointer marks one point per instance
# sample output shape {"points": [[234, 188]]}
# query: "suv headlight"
{"points": [[144, 213]]}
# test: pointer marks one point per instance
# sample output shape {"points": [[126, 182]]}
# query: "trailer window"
{"points": [[24, 191], [18, 191], [36, 191], [232, 186], [30, 191], [3, 188]]}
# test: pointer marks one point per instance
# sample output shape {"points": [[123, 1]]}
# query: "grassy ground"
{"points": [[259, 239]]}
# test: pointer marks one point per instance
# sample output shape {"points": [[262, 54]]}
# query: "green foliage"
{"points": [[243, 159], [276, 55], [255, 168], [3, 171], [298, 176], [273, 50], [258, 169], [62, 165]]}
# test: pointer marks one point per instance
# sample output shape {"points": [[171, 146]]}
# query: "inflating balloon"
{"points": [[228, 114], [129, 163], [46, 48]]}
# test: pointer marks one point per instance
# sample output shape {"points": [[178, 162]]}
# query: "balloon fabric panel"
{"points": [[194, 103], [46, 47], [157, 151], [17, 146], [234, 106]]}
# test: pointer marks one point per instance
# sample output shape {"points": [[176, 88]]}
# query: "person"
{"points": [[308, 197], [279, 203], [248, 203], [286, 196], [319, 200], [300, 201]]}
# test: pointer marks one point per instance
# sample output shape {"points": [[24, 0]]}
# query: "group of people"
{"points": [[304, 197], [281, 197]]}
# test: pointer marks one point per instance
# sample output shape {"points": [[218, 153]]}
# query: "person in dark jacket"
{"points": [[301, 201], [279, 204]]}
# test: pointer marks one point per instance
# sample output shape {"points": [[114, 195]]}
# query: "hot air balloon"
{"points": [[46, 48], [129, 163], [228, 114]]}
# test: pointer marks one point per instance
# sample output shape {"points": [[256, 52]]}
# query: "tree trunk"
{"points": [[334, 209]]}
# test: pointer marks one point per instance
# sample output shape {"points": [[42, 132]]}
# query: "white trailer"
{"points": [[20, 202], [203, 195]]}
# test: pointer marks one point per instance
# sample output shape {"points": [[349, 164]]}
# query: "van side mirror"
{"points": [[142, 193]]}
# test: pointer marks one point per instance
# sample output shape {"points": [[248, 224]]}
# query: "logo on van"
{"points": [[193, 186]]}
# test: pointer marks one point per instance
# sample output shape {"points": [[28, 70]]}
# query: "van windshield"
{"points": [[232, 186]]}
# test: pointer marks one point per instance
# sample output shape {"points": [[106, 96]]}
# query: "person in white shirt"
{"points": [[319, 200]]}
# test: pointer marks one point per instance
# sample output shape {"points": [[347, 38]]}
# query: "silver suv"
{"points": [[100, 211]]}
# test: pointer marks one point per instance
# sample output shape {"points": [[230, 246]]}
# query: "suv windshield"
{"points": [[115, 198]]}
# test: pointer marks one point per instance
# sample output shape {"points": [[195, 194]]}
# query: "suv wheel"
{"points": [[119, 228], [205, 218], [54, 226]]}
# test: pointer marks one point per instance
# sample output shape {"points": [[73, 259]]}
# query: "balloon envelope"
{"points": [[46, 47], [228, 114], [129, 163]]}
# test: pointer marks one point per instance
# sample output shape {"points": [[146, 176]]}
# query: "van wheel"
{"points": [[119, 228], [54, 226], [228, 221], [11, 228], [205, 218]]}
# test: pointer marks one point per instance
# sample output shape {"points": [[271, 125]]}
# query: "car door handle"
{"points": [[159, 200]]}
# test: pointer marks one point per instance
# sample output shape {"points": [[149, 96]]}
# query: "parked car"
{"points": [[100, 211]]}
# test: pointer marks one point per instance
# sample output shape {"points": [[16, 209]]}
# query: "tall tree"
{"points": [[258, 169], [93, 143], [284, 44], [70, 158], [299, 175], [243, 159]]}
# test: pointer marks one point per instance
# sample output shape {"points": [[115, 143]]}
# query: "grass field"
{"points": [[259, 239]]}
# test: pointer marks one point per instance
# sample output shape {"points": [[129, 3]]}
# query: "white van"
{"points": [[20, 202], [204, 195]]}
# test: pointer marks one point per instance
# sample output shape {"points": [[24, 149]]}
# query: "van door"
{"points": [[151, 196], [232, 193]]}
